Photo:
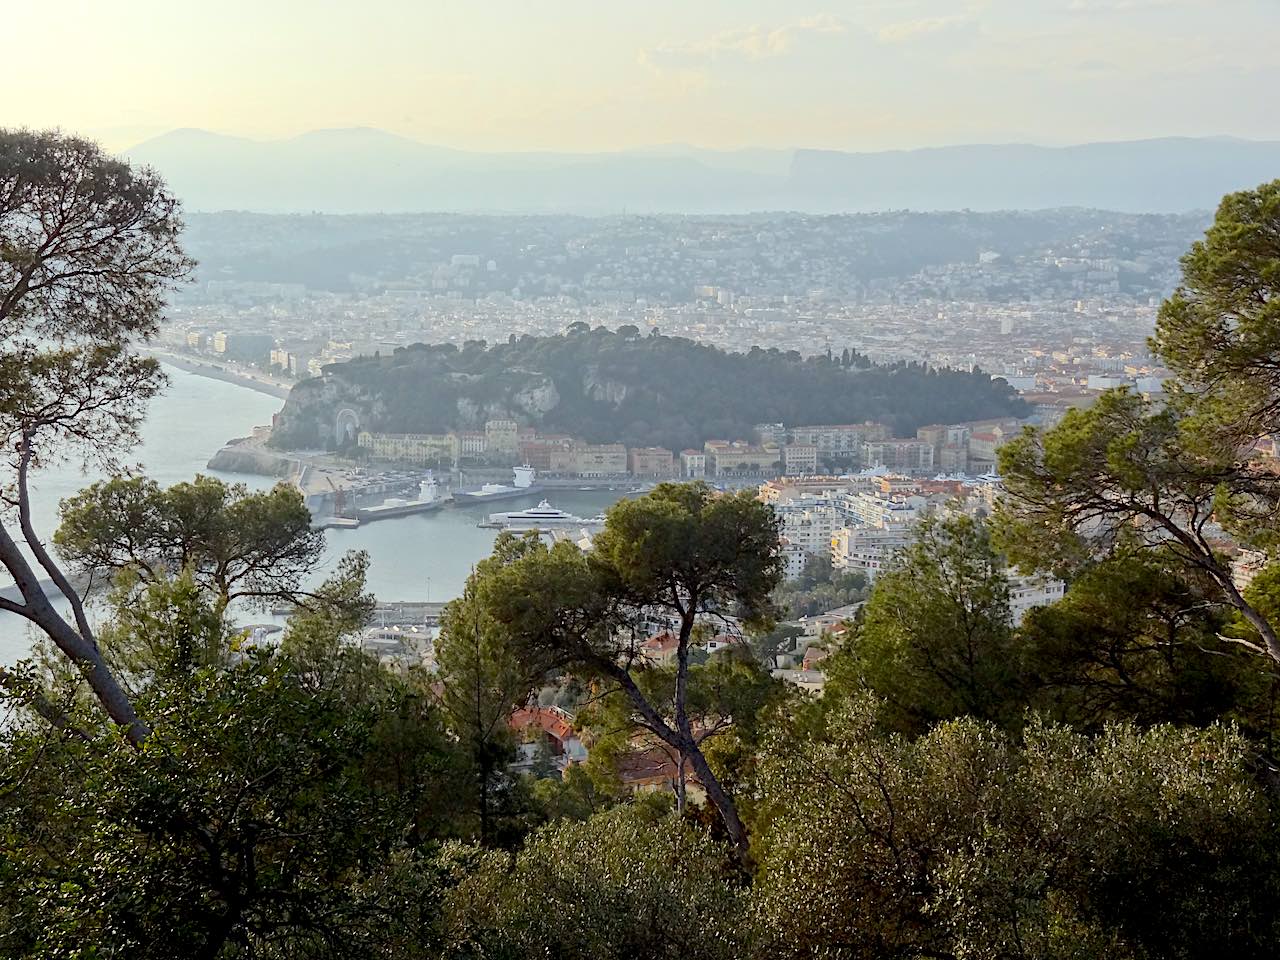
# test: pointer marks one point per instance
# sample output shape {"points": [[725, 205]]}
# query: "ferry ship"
{"points": [[428, 499], [523, 484]]}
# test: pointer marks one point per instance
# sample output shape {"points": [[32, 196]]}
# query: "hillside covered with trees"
{"points": [[607, 386], [1095, 782]]}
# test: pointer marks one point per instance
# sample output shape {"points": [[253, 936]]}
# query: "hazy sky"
{"points": [[609, 74]]}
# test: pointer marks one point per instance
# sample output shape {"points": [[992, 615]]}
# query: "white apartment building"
{"points": [[1026, 592], [869, 549], [794, 557], [810, 527], [841, 441], [875, 509]]}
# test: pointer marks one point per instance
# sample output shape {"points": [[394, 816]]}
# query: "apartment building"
{"points": [[842, 441], [725, 458], [693, 464], [423, 449], [879, 509], [799, 459], [910, 455], [1026, 592], [650, 462], [548, 455], [810, 528], [501, 438], [869, 549], [600, 459]]}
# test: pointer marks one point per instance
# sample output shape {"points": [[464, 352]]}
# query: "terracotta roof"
{"points": [[552, 722], [661, 642]]}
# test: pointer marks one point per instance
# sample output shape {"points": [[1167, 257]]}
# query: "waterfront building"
{"points": [[501, 438], [650, 462], [423, 449], [725, 458], [799, 459], [909, 455], [600, 459], [548, 455], [693, 464], [840, 441], [471, 444]]}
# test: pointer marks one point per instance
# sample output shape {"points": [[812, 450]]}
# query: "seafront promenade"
{"points": [[227, 372]]}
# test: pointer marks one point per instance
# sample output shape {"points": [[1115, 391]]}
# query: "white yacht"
{"points": [[542, 517]]}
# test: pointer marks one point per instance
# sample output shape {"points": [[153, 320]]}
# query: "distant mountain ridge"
{"points": [[362, 170]]}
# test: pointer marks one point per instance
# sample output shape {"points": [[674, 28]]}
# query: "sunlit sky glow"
{"points": [[608, 74]]}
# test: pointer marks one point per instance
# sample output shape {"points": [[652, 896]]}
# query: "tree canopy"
{"points": [[88, 250], [605, 387]]}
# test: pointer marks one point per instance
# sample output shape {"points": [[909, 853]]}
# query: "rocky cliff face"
{"points": [[537, 398], [243, 458], [602, 389], [310, 414]]}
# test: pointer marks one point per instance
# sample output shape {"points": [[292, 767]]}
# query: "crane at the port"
{"points": [[339, 498]]}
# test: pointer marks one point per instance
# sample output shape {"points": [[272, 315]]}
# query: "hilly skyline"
{"points": [[365, 170]]}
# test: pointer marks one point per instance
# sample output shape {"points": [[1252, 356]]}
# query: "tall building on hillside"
{"points": [[840, 441], [799, 459], [908, 455], [501, 438]]}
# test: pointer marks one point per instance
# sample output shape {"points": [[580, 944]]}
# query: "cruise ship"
{"points": [[428, 499], [542, 517], [523, 484]]}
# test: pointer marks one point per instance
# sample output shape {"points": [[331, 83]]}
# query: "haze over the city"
{"points": [[583, 76]]}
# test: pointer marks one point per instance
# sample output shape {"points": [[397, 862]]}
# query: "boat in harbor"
{"points": [[543, 517], [524, 483], [428, 499]]}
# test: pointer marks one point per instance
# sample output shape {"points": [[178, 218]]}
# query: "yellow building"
{"points": [[501, 438], [725, 458], [424, 449]]}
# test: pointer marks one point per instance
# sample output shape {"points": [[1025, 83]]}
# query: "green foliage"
{"points": [[683, 545], [1220, 331], [1125, 472], [641, 391], [280, 807], [679, 551], [1135, 844], [621, 885], [483, 678], [819, 588], [935, 641], [254, 547], [1134, 639]]}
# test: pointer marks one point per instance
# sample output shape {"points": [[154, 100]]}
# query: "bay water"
{"points": [[422, 557]]}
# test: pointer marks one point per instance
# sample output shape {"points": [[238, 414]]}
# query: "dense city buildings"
{"points": [[1059, 303]]}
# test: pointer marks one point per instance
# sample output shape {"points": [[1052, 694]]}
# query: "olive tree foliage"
{"points": [[251, 547], [683, 553], [286, 803], [623, 884], [88, 250], [1178, 476], [968, 843]]}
